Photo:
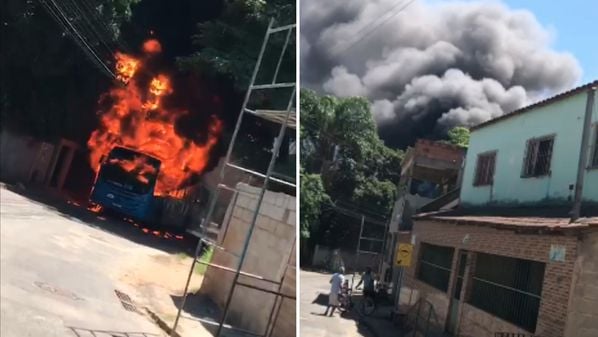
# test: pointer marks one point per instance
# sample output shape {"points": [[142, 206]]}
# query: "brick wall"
{"points": [[270, 247], [285, 322], [437, 150], [582, 320], [557, 279]]}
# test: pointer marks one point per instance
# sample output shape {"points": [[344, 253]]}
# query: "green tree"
{"points": [[46, 79], [312, 198], [339, 140], [459, 136], [226, 51], [229, 46]]}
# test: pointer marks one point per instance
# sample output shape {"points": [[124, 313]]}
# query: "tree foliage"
{"points": [[48, 85], [459, 136], [339, 141], [229, 45], [313, 197]]}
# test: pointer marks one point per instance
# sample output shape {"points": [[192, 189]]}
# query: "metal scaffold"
{"points": [[286, 119]]}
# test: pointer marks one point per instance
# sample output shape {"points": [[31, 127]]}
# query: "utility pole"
{"points": [[583, 154]]}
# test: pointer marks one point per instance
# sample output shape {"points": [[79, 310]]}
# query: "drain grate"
{"points": [[126, 301]]}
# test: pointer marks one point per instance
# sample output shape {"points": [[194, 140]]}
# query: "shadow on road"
{"points": [[379, 318], [201, 309], [76, 210], [83, 332]]}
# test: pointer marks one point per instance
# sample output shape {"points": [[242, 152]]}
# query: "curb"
{"points": [[162, 324]]}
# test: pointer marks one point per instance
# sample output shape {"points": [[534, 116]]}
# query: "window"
{"points": [[484, 173], [594, 159], [538, 154], [508, 288], [435, 265]]}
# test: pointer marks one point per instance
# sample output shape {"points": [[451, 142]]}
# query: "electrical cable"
{"points": [[58, 13], [360, 38], [59, 20]]}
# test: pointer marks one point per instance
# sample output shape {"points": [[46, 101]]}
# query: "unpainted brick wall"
{"points": [[582, 320], [270, 247], [441, 151], [473, 322]]}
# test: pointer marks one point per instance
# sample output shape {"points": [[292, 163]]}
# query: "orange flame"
{"points": [[128, 123], [95, 208], [126, 67], [138, 166], [152, 46]]}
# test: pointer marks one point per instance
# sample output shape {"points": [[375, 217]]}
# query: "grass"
{"points": [[205, 257]]}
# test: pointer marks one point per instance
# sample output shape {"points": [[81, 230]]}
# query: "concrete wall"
{"points": [[330, 259], [270, 247], [582, 318], [564, 119], [18, 156], [552, 314]]}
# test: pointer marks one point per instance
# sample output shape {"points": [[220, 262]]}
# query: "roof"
{"points": [[277, 116], [519, 218], [545, 102]]}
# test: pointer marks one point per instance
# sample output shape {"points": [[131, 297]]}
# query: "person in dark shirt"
{"points": [[367, 279]]}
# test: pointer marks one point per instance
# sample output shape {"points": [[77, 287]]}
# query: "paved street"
{"points": [[59, 275], [314, 296]]}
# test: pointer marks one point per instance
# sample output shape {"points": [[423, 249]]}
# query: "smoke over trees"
{"points": [[432, 66]]}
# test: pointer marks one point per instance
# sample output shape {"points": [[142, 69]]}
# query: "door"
{"points": [[456, 296]]}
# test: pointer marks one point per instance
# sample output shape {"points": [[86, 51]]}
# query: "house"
{"points": [[519, 256], [430, 174]]}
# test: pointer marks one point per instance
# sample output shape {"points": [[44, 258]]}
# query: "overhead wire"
{"points": [[60, 20], [58, 13], [103, 26], [380, 22], [91, 29]]}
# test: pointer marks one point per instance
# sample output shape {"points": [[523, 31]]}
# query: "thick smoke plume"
{"points": [[433, 65]]}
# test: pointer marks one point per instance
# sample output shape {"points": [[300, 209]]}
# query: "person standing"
{"points": [[336, 283], [368, 283]]}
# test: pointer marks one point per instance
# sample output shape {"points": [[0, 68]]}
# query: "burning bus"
{"points": [[141, 162], [126, 182]]}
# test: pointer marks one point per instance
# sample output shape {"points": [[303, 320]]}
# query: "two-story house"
{"points": [[520, 253]]}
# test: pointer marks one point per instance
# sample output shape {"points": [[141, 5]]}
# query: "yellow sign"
{"points": [[403, 256]]}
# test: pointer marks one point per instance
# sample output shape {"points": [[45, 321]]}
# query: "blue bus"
{"points": [[125, 183]]}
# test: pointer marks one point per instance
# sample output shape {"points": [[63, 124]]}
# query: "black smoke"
{"points": [[433, 65]]}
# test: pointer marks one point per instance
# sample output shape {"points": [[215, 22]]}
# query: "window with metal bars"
{"points": [[484, 173], [538, 154], [508, 288], [435, 264], [595, 147]]}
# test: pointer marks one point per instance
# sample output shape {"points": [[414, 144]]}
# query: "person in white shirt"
{"points": [[336, 282]]}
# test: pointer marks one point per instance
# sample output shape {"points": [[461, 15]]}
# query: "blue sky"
{"points": [[575, 25]]}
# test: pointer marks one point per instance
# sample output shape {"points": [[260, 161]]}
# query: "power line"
{"points": [[381, 23], [371, 23], [92, 29], [60, 16], [117, 40]]}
